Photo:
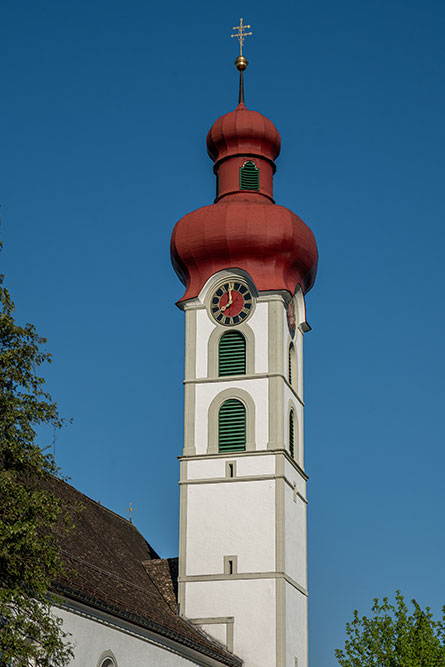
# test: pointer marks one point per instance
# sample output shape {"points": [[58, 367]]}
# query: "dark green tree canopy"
{"points": [[29, 554], [392, 637]]}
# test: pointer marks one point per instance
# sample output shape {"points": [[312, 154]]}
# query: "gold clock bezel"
{"points": [[214, 310]]}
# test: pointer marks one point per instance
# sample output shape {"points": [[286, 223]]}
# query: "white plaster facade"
{"points": [[242, 559], [96, 636]]}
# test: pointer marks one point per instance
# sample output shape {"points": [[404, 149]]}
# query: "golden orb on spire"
{"points": [[241, 63]]}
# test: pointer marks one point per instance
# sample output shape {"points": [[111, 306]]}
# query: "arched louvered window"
{"points": [[232, 426], [108, 662], [232, 354], [291, 433], [291, 364], [249, 176]]}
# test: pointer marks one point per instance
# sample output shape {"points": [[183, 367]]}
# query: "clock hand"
{"points": [[230, 301]]}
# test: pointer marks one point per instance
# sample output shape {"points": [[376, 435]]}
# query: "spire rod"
{"points": [[241, 62]]}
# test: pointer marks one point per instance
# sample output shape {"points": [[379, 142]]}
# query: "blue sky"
{"points": [[105, 109]]}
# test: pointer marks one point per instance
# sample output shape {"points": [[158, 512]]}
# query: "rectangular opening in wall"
{"points": [[231, 469], [230, 565]]}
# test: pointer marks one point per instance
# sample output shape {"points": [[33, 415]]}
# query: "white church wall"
{"points": [[216, 630], [252, 603], [296, 627], [295, 478], [206, 392], [255, 465], [295, 543], [286, 341], [245, 466], [206, 468], [204, 327], [131, 646], [244, 514], [259, 324]]}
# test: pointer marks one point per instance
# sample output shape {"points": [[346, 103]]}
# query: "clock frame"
{"points": [[231, 303], [291, 318]]}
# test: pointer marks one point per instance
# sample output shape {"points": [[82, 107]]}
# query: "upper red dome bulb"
{"points": [[243, 132], [244, 228]]}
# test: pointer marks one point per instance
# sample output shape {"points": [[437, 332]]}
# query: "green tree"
{"points": [[29, 553], [392, 637]]}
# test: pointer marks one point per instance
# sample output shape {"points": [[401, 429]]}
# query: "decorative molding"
{"points": [[213, 352], [213, 414], [281, 296], [231, 565], [280, 564], [182, 535], [190, 344], [256, 376], [276, 371], [275, 337], [281, 623], [107, 654], [276, 409], [280, 518], [231, 469], [189, 419], [244, 478], [245, 575], [228, 621], [262, 452], [220, 278]]}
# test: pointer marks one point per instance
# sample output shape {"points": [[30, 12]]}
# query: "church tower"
{"points": [[246, 264]]}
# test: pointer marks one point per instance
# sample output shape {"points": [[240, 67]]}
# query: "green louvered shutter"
{"points": [[291, 349], [232, 426], [249, 176], [291, 433], [232, 354]]}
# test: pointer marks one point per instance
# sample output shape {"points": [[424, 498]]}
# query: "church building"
{"points": [[237, 594]]}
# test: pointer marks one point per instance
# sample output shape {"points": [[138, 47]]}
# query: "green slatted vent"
{"points": [[291, 433], [232, 354], [232, 426], [249, 176], [291, 352]]}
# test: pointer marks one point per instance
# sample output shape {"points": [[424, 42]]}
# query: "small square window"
{"points": [[230, 565]]}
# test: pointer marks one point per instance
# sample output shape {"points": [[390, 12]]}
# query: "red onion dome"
{"points": [[245, 231], [243, 132]]}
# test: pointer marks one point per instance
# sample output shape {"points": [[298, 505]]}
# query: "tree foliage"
{"points": [[29, 554], [392, 637]]}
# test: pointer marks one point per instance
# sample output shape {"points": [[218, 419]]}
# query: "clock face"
{"points": [[231, 303]]}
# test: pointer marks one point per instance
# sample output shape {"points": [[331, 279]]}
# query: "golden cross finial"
{"points": [[241, 34], [131, 509]]}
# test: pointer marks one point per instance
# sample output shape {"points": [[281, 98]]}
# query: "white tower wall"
{"points": [[242, 564]]}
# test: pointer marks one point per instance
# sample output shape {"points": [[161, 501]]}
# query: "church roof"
{"points": [[110, 566]]}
